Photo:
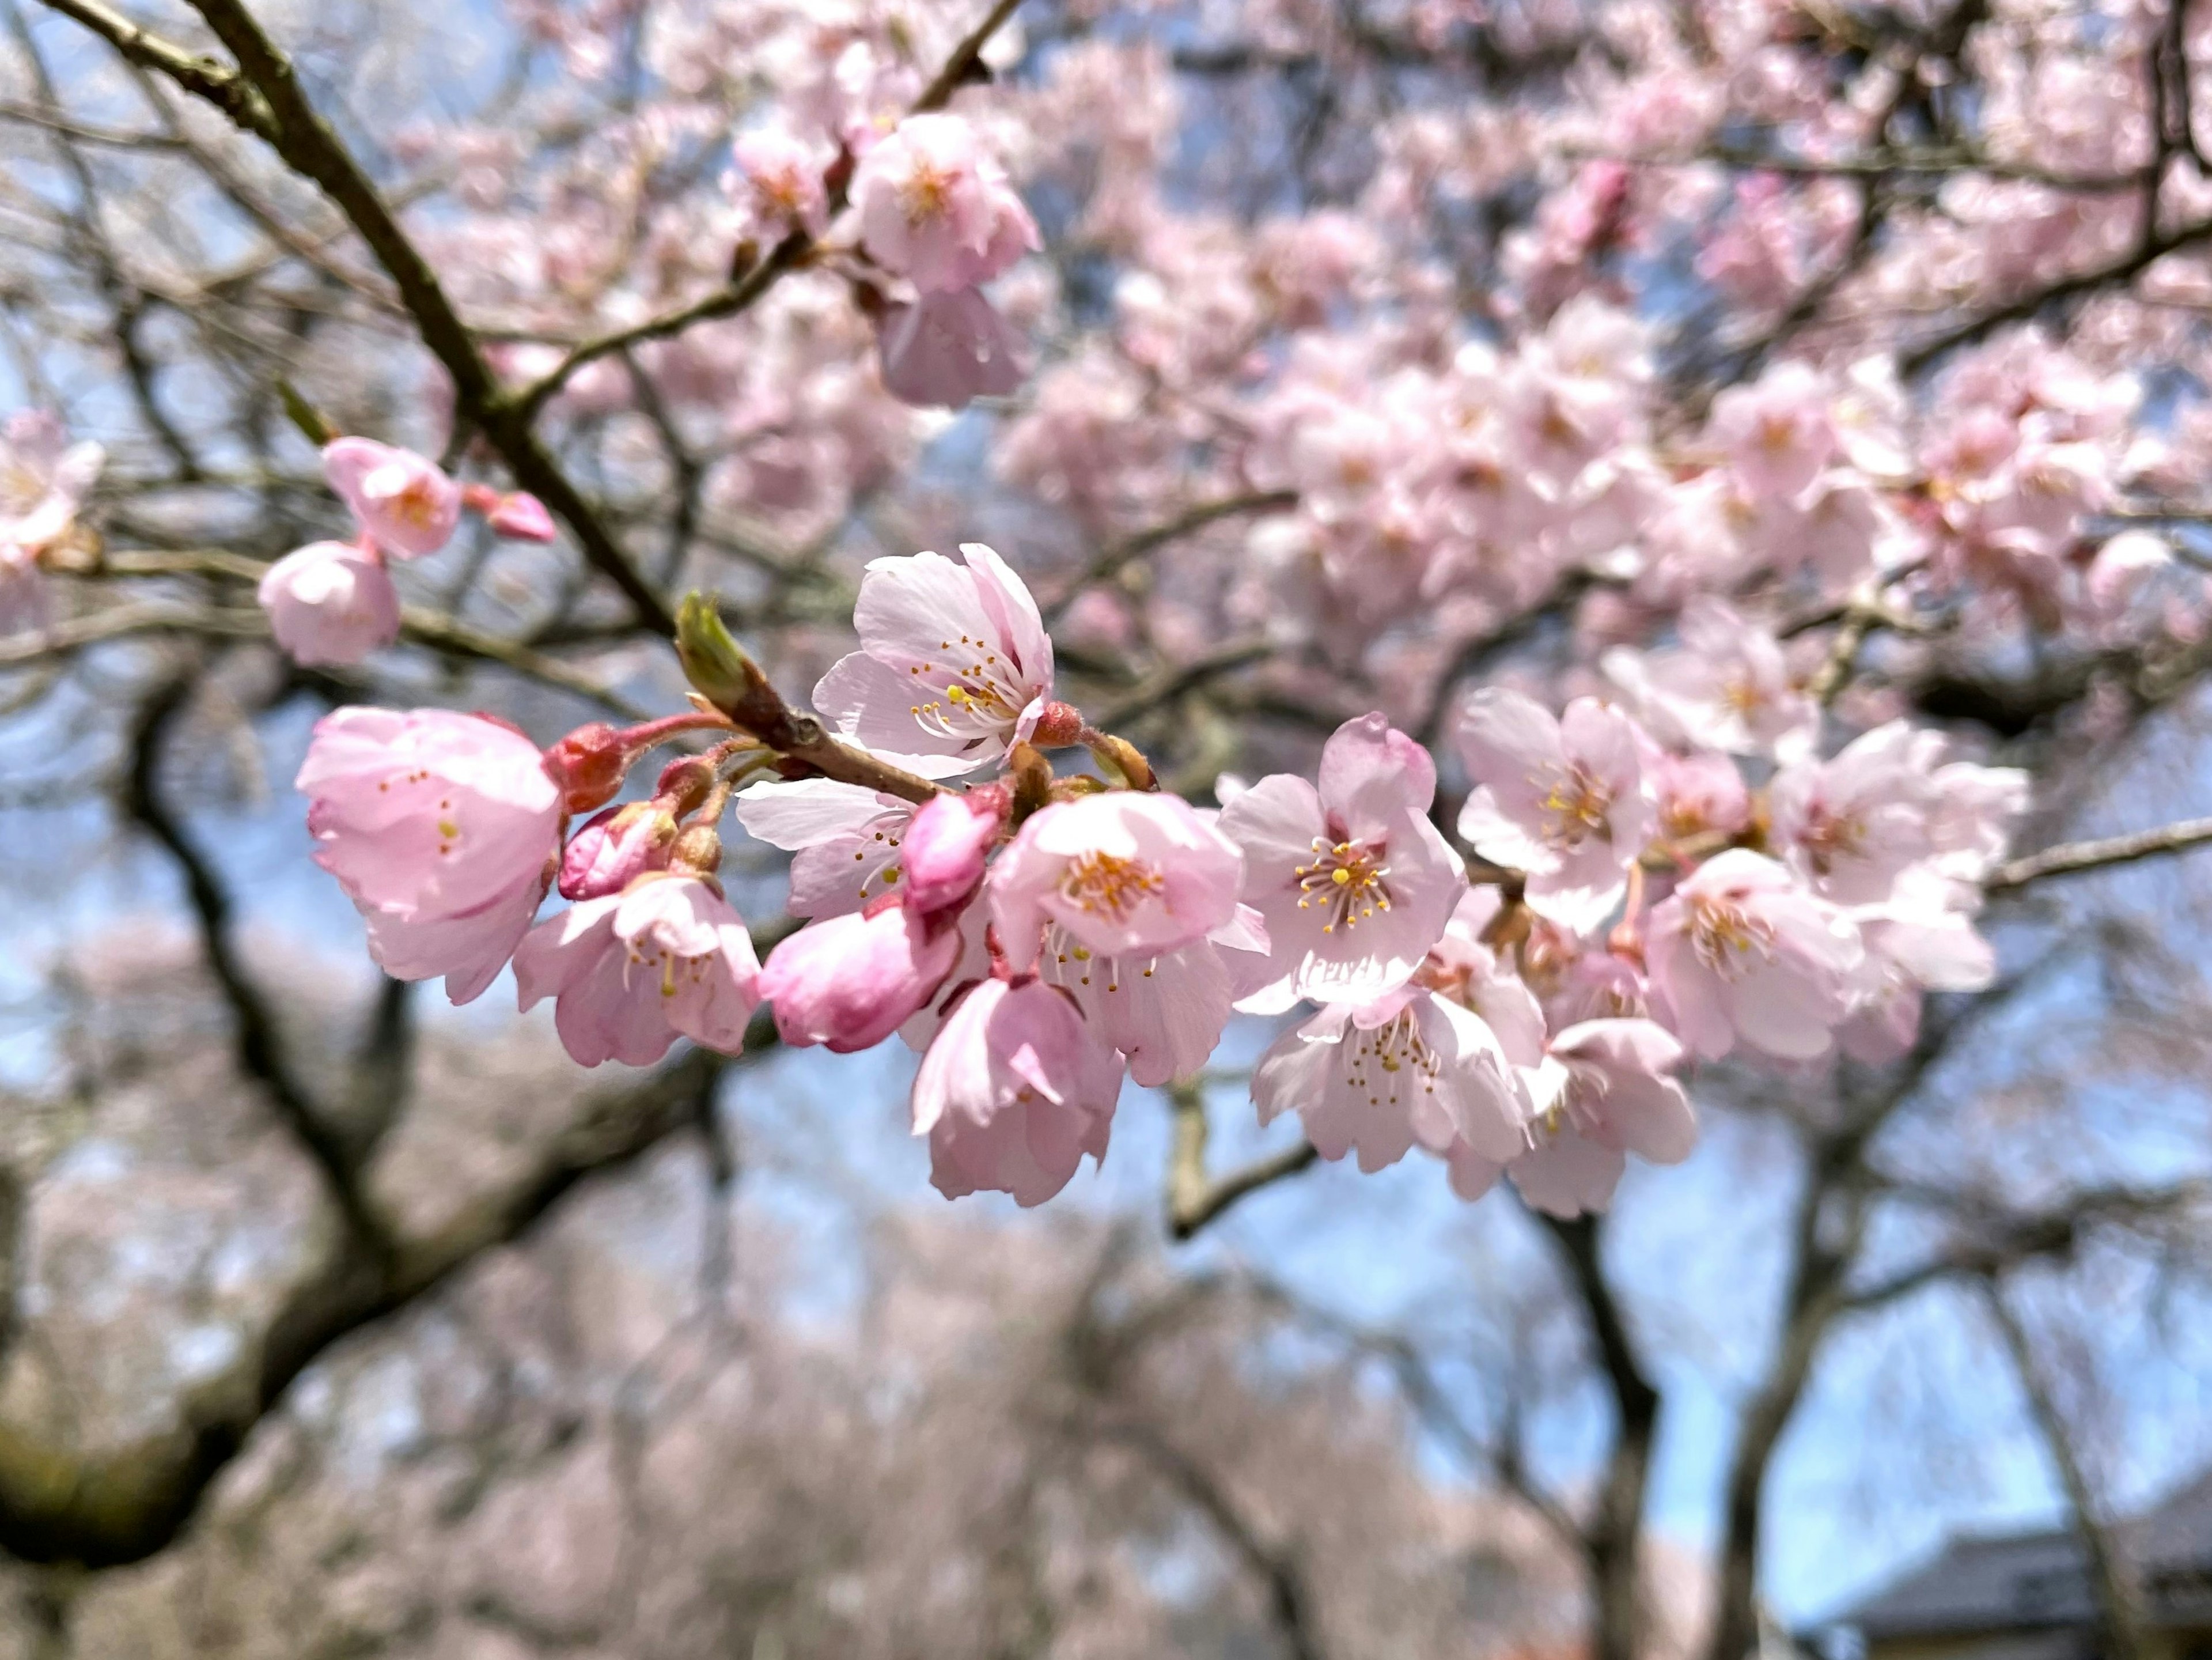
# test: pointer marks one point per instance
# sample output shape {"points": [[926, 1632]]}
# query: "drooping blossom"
{"points": [[1165, 1013], [442, 828], [845, 839], [936, 209], [616, 846], [1352, 881], [1561, 799], [1375, 1078], [1741, 951], [331, 602], [945, 349], [954, 664], [1013, 1090], [407, 505], [1602, 1090], [632, 971], [1123, 873], [849, 981], [1920, 938]]}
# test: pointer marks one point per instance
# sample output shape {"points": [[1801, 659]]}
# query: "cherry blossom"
{"points": [[954, 664], [443, 830], [846, 838], [1013, 1090], [1122, 874], [404, 503], [43, 481], [1741, 951], [1165, 1013], [942, 854], [1375, 1078], [1352, 881], [849, 981], [935, 208], [1778, 432], [1727, 686], [632, 971], [330, 603], [1561, 799], [947, 348]]}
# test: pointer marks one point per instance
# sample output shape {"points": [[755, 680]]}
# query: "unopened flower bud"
{"points": [[697, 851], [614, 846], [684, 782], [520, 517], [1059, 725], [713, 662], [942, 851], [1125, 758], [588, 765]]}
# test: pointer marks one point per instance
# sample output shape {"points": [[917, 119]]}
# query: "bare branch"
{"points": [[2070, 857], [1195, 1199]]}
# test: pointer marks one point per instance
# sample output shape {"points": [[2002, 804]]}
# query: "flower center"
{"points": [[1386, 1063], [979, 698], [1724, 933], [927, 193], [1828, 837], [1106, 884], [1577, 802], [1344, 883]]}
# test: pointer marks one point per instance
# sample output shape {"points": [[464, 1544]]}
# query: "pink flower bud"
{"points": [[942, 851], [848, 982], [331, 602], [614, 846], [588, 765], [406, 503], [1060, 725], [521, 517], [684, 782]]}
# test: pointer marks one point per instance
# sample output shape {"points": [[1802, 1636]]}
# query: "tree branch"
{"points": [[2070, 857], [1195, 1199]]}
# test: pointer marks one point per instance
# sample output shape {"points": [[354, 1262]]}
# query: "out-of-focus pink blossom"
{"points": [[1013, 1090], [779, 179], [329, 602], [1375, 1078], [614, 846], [630, 972], [1849, 824], [954, 665], [946, 348], [1700, 793], [1741, 951], [1562, 799], [442, 828], [1124, 874], [849, 981], [1778, 432], [407, 505], [935, 208], [44, 480], [1353, 882], [1727, 686], [521, 517]]}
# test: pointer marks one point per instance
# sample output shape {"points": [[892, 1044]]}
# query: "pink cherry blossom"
{"points": [[934, 208], [1603, 1092], [946, 348], [442, 828], [406, 504], [846, 839], [1849, 824], [1375, 1078], [849, 982], [1701, 793], [1013, 1090], [43, 481], [1741, 951], [1123, 873], [954, 665], [1778, 432], [943, 852], [1562, 799], [1353, 882], [616, 846], [520, 517], [1727, 686], [631, 972], [780, 180], [1165, 1013], [331, 602]]}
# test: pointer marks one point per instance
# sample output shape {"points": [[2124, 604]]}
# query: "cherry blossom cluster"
{"points": [[334, 602], [1624, 897]]}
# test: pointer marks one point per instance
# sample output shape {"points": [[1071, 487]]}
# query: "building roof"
{"points": [[2040, 1580]]}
